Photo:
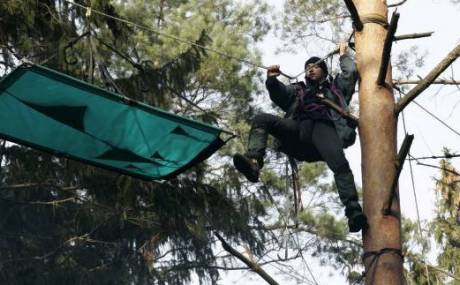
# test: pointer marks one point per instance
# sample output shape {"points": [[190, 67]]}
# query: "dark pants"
{"points": [[306, 140]]}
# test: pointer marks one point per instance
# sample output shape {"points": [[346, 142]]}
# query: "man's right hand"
{"points": [[273, 70]]}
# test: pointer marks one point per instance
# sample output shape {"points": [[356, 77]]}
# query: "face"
{"points": [[314, 72]]}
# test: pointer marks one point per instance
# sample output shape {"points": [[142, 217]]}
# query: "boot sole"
{"points": [[242, 166]]}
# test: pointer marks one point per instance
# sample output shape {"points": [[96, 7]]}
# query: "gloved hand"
{"points": [[273, 70]]}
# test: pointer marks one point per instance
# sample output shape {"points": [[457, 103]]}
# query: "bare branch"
{"points": [[251, 264], [31, 185], [387, 49], [440, 81], [439, 167], [412, 36], [435, 157], [426, 82]]}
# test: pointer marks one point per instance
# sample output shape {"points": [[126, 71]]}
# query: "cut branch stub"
{"points": [[387, 49], [405, 147], [413, 36], [358, 25]]}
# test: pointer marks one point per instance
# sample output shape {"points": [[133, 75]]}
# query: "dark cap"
{"points": [[321, 65]]}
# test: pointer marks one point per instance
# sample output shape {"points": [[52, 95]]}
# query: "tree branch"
{"points": [[440, 81], [412, 36], [439, 167], [251, 264], [426, 82], [31, 185]]}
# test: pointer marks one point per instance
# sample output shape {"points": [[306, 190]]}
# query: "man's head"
{"points": [[315, 72]]}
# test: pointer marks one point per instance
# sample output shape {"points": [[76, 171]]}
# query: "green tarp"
{"points": [[54, 112]]}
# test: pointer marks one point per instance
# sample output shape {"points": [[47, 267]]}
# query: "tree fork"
{"points": [[378, 147]]}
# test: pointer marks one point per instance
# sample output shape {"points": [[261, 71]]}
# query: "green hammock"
{"points": [[54, 112]]}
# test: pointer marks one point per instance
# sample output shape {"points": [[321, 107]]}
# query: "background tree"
{"points": [[445, 225], [69, 223]]}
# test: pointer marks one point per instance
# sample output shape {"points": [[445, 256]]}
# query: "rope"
{"points": [[416, 204], [216, 51], [374, 19], [295, 186], [435, 157], [376, 255], [429, 113], [297, 241], [330, 54], [438, 119], [143, 27]]}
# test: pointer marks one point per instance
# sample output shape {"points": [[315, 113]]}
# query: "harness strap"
{"points": [[321, 106], [375, 256]]}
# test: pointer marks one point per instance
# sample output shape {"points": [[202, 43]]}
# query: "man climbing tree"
{"points": [[310, 131]]}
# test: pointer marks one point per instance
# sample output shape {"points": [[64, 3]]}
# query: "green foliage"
{"points": [[314, 23], [67, 223], [444, 232], [446, 225]]}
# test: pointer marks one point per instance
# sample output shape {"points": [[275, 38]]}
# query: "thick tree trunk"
{"points": [[378, 142]]}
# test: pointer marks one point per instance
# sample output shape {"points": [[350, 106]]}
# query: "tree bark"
{"points": [[378, 148]]}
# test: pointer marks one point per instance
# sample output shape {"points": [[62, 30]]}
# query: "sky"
{"points": [[441, 17]]}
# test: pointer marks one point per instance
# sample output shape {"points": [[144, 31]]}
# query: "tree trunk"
{"points": [[378, 146]]}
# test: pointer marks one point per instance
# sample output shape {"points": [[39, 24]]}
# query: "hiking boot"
{"points": [[357, 221], [249, 167]]}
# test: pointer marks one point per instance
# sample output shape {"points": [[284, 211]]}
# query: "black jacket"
{"points": [[286, 97]]}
